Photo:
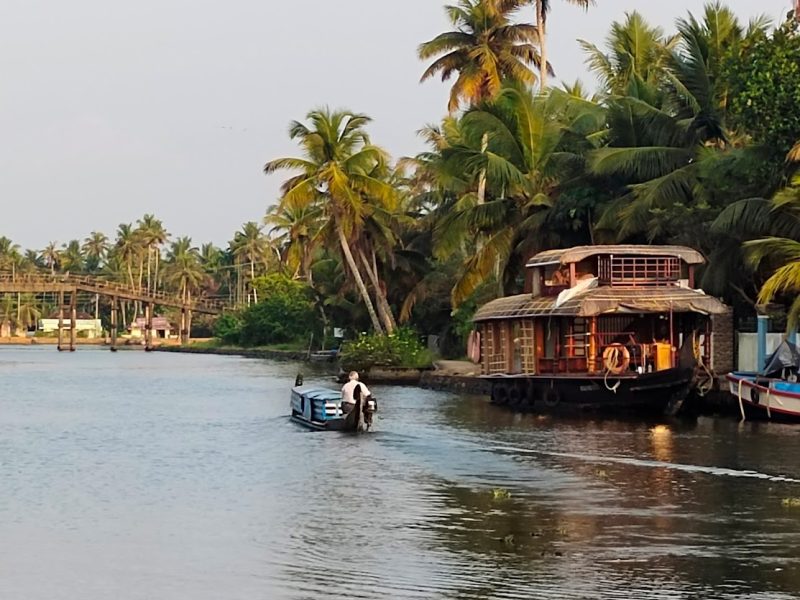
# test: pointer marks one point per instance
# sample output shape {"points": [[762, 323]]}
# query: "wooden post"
{"points": [[60, 320], [573, 279], [73, 314], [188, 326], [592, 358], [182, 333], [114, 324], [148, 326]]}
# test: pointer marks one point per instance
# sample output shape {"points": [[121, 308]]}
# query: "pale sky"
{"points": [[112, 109]]}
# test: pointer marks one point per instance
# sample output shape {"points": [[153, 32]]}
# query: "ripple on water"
{"points": [[139, 476]]}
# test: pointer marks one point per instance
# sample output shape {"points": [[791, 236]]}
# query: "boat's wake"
{"points": [[652, 464]]}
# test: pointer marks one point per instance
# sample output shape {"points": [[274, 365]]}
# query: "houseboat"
{"points": [[602, 328]]}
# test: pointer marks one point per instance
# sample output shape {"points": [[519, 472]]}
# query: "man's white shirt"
{"points": [[349, 388]]}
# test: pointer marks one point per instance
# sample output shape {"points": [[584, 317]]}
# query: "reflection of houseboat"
{"points": [[600, 327]]}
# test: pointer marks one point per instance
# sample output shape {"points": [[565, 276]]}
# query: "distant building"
{"points": [[162, 328], [84, 323]]}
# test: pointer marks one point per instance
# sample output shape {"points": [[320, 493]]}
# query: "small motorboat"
{"points": [[774, 393], [322, 409]]}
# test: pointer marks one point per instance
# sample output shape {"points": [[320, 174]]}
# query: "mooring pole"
{"points": [[60, 320], [113, 323], [148, 326], [182, 332], [762, 326], [73, 323]]}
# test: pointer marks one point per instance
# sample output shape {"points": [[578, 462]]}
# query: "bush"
{"points": [[401, 349], [285, 312], [228, 328]]}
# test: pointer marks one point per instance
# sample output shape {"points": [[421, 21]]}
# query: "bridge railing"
{"points": [[99, 285]]}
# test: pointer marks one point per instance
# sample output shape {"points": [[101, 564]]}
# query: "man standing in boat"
{"points": [[349, 392]]}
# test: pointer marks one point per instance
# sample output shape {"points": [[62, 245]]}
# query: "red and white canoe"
{"points": [[762, 397]]}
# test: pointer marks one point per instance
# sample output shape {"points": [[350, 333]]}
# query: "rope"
{"points": [[741, 404], [611, 388], [703, 387]]}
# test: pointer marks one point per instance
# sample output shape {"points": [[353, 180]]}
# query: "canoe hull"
{"points": [[762, 398]]}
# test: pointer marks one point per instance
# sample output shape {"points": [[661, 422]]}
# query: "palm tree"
{"points": [[72, 257], [297, 229], [638, 56], [184, 270], [95, 248], [485, 49], [250, 246], [51, 257], [542, 11], [343, 174], [534, 147], [9, 255], [153, 236]]}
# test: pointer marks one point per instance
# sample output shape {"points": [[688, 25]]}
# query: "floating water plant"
{"points": [[791, 502], [500, 494]]}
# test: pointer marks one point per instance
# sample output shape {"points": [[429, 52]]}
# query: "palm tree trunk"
{"points": [[149, 253], [252, 282], [384, 309], [351, 263], [482, 176], [541, 24]]}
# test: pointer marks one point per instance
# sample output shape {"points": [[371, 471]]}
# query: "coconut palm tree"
{"points": [[637, 57], [153, 236], [485, 49], [251, 247], [296, 229], [533, 150], [51, 257], [542, 12], [343, 174], [95, 249], [184, 270], [72, 259]]}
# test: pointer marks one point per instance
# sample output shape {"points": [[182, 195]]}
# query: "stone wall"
{"points": [[723, 347]]}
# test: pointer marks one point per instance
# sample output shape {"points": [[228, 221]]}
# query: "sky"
{"points": [[110, 109]]}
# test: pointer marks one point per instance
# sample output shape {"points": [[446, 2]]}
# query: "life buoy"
{"points": [[499, 394], [616, 359], [474, 346], [754, 396], [551, 397]]}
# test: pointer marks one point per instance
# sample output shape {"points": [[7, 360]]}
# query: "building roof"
{"points": [[603, 300], [566, 256]]}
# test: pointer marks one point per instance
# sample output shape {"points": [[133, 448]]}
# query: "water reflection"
{"points": [[164, 476]]}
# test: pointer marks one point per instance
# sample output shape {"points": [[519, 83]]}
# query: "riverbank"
{"points": [[270, 353]]}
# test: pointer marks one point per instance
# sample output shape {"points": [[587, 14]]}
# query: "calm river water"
{"points": [[165, 476]]}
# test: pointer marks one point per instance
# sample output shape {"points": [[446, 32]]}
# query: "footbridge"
{"points": [[67, 287]]}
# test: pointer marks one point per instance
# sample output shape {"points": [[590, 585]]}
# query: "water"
{"points": [[163, 476]]}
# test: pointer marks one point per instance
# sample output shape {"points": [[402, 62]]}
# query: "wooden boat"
{"points": [[321, 409], [619, 329], [774, 393]]}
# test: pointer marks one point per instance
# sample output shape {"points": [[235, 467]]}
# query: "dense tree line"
{"points": [[692, 138]]}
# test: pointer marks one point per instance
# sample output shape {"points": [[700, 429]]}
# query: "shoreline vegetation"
{"points": [[691, 137]]}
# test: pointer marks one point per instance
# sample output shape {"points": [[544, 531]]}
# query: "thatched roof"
{"points": [[603, 300], [566, 256]]}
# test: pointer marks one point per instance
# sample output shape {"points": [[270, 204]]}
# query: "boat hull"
{"points": [[662, 392], [321, 409], [761, 398]]}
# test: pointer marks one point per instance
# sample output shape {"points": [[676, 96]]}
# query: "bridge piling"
{"points": [[113, 323], [148, 326], [60, 321], [73, 323]]}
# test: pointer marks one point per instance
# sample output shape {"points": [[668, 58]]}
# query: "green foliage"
{"points": [[284, 313], [228, 328], [400, 349], [765, 83]]}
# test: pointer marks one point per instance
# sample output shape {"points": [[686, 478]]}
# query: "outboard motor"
{"points": [[365, 410], [298, 381]]}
